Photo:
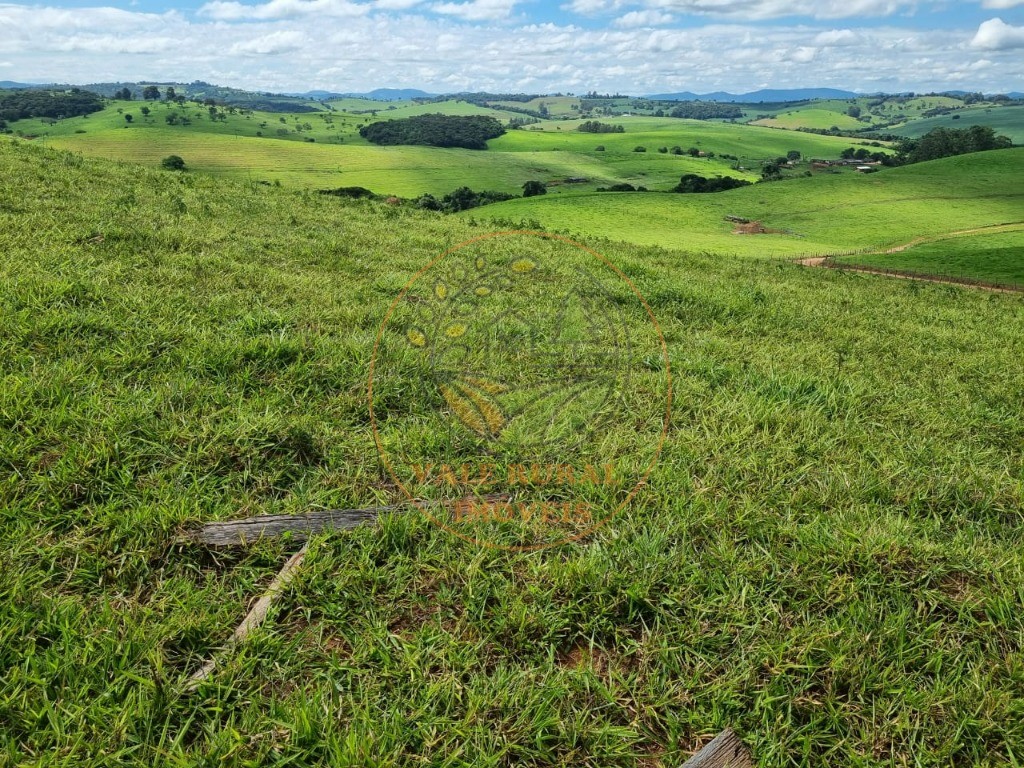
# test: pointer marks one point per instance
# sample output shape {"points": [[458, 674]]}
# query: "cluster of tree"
{"points": [[947, 142], [863, 154], [593, 126], [462, 199], [692, 183], [356, 193], [519, 122], [469, 132], [706, 110], [28, 103], [623, 187]]}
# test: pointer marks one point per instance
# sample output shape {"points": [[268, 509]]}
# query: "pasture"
{"points": [[1008, 121], [828, 213], [996, 258], [325, 150], [828, 558]]}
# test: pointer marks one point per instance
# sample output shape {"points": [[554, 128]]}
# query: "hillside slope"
{"points": [[825, 214], [828, 558]]}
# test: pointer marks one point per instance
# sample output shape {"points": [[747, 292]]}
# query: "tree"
{"points": [[169, 94], [848, 153], [639, 149], [145, 111], [128, 118], [794, 155], [151, 93], [123, 95], [599, 148], [853, 111], [770, 171], [173, 163], [533, 188]]}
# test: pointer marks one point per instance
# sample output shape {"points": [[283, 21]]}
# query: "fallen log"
{"points": [[725, 751], [234, 533]]}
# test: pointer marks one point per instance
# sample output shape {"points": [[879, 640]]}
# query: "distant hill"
{"points": [[394, 94], [797, 94], [12, 84], [197, 89], [380, 94]]}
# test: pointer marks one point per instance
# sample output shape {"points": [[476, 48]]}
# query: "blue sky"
{"points": [[633, 46]]}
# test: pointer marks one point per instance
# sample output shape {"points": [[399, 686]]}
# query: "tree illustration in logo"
{"points": [[522, 351]]}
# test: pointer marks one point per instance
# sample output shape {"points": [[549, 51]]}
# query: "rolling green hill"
{"points": [[827, 559], [825, 214], [988, 257], [323, 150], [1008, 121]]}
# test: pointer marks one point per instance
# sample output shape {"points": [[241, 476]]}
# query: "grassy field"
{"points": [[1008, 121], [991, 258], [828, 558], [811, 117], [324, 150], [750, 143], [826, 214]]}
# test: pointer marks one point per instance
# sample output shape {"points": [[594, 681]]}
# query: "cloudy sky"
{"points": [[632, 46]]}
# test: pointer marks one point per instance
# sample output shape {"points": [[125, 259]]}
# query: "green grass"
{"points": [[829, 558], [988, 258], [1007, 121], [449, 107], [751, 144], [811, 118], [829, 213], [329, 152]]}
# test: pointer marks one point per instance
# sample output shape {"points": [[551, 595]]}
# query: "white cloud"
{"points": [[1001, 4], [477, 10], [836, 38], [648, 18], [997, 35], [803, 55], [274, 43], [230, 10], [754, 10], [293, 45]]}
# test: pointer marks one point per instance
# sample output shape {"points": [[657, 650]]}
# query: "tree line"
{"points": [[29, 103], [593, 126], [947, 142], [706, 110], [435, 130]]}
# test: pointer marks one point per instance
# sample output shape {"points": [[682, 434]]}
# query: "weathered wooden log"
{"points": [[234, 533], [725, 751]]}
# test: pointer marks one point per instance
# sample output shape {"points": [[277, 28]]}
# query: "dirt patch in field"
{"points": [[755, 228]]}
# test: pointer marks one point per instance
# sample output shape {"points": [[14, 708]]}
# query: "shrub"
{"points": [[173, 163], [533, 188]]}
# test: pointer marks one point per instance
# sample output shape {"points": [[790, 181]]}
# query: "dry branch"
{"points": [[255, 617]]}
